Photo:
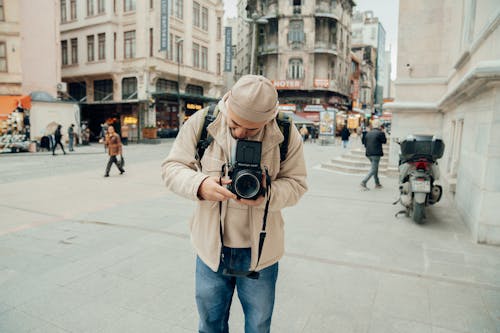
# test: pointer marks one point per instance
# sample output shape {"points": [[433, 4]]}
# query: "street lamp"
{"points": [[254, 20], [179, 115]]}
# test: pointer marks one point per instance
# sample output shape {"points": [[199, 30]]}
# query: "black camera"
{"points": [[246, 173]]}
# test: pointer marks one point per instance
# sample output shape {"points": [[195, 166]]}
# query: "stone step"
{"points": [[359, 163], [388, 171], [363, 158]]}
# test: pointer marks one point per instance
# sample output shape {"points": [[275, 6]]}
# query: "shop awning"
{"points": [[10, 103], [184, 97]]}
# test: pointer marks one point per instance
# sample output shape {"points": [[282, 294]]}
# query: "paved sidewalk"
{"points": [[83, 253]]}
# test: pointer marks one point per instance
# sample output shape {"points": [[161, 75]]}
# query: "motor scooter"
{"points": [[418, 173]]}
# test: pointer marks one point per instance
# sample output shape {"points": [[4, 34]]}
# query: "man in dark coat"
{"points": [[345, 134], [373, 142], [57, 138]]}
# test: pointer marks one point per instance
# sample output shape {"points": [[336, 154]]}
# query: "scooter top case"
{"points": [[421, 146]]}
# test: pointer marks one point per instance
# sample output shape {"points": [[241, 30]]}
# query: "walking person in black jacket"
{"points": [[373, 142], [57, 138]]}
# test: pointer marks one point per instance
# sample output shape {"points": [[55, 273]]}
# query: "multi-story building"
{"points": [[448, 84], [367, 31], [114, 63], [30, 68], [304, 48]]}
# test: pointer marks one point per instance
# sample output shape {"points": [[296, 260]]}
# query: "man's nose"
{"points": [[240, 133]]}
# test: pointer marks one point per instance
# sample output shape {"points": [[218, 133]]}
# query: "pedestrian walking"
{"points": [[57, 140], [313, 134], [71, 136], [229, 233], [114, 145], [345, 134], [373, 142], [304, 133]]}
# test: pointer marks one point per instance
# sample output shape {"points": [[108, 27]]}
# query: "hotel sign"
{"points": [[321, 83], [287, 84], [164, 25]]}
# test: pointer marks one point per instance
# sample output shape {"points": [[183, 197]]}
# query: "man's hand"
{"points": [[211, 190]]}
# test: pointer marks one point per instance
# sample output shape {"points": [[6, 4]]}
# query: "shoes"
{"points": [[363, 186], [121, 172], [106, 175], [378, 186]]}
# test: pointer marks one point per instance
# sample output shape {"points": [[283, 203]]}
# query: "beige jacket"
{"points": [[182, 175]]}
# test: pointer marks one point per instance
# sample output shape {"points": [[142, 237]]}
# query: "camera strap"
{"points": [[262, 236]]}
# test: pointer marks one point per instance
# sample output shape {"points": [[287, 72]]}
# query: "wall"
{"points": [[43, 113]]}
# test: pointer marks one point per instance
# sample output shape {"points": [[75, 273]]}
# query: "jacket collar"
{"points": [[219, 128]]}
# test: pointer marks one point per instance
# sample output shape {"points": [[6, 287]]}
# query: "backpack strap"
{"points": [[284, 122], [204, 139]]}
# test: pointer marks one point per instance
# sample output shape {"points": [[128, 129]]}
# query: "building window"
{"points": [[64, 16], [296, 33], [204, 18], [196, 14], [3, 57], [101, 6], [219, 28], [74, 50], [297, 6], [331, 70], [295, 69], [170, 53], [102, 46], [128, 5], [129, 88], [204, 58], [151, 42], [114, 45], [90, 48], [129, 44], [196, 55], [180, 51], [73, 9], [77, 90], [218, 64], [103, 90], [90, 7], [64, 52], [163, 85], [194, 90], [178, 8]]}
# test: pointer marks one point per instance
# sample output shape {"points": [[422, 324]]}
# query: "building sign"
{"points": [[228, 50], [194, 106], [164, 25], [287, 84], [321, 83]]}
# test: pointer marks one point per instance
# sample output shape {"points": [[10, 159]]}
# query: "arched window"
{"points": [[295, 69]]}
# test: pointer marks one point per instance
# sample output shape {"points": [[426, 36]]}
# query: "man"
{"points": [[71, 136], [57, 139], [373, 142], [345, 134], [114, 145], [225, 230]]}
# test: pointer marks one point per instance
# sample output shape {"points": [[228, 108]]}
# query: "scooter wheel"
{"points": [[418, 212]]}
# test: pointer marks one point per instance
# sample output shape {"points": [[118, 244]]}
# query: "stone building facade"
{"points": [[448, 84], [303, 47], [113, 63]]}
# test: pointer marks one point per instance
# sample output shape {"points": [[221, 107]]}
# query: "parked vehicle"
{"points": [[418, 173]]}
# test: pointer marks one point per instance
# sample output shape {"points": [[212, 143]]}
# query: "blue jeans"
{"points": [[375, 160], [214, 293]]}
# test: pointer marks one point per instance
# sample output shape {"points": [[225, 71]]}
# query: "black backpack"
{"points": [[204, 139]]}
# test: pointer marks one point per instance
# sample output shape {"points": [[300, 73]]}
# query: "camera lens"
{"points": [[246, 184]]}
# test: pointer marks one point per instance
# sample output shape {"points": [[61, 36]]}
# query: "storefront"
{"points": [[124, 117], [169, 114]]}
